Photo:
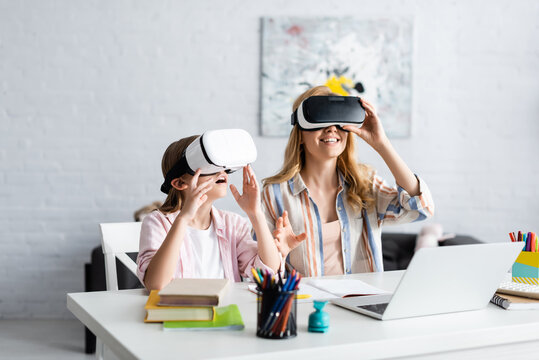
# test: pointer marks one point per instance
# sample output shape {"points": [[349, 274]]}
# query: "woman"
{"points": [[336, 204]]}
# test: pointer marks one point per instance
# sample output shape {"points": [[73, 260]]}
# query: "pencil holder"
{"points": [[276, 314], [526, 268]]}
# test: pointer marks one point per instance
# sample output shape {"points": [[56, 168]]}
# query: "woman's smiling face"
{"points": [[326, 143]]}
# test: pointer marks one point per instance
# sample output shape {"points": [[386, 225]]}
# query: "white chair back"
{"points": [[117, 239]]}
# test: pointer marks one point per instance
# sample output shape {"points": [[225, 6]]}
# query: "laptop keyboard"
{"points": [[377, 308]]}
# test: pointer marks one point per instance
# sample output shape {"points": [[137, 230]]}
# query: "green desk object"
{"points": [[319, 320]]}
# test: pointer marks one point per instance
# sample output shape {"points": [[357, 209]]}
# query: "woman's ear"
{"points": [[178, 184]]}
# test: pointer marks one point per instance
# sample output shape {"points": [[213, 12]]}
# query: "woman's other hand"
{"points": [[285, 239]]}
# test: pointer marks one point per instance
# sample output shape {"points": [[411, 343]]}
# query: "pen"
{"points": [[289, 306], [256, 277], [291, 281], [265, 281], [286, 313]]}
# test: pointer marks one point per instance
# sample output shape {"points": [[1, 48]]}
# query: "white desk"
{"points": [[117, 318]]}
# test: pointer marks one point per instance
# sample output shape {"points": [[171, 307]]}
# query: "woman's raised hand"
{"points": [[372, 130], [195, 195], [249, 201], [285, 239]]}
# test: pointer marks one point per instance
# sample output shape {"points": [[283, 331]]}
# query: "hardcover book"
{"points": [[193, 292]]}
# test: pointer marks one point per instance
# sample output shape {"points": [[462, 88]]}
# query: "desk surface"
{"points": [[117, 318]]}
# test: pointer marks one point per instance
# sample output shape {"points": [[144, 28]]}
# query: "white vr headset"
{"points": [[212, 152], [317, 112]]}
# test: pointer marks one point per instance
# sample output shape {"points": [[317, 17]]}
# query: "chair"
{"points": [[117, 239]]}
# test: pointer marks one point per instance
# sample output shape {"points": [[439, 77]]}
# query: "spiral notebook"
{"points": [[511, 302]]}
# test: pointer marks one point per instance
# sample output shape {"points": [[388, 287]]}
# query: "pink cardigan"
{"points": [[239, 252]]}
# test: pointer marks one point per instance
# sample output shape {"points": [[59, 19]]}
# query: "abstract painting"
{"points": [[371, 58]]}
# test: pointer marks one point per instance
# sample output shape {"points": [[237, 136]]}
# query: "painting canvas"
{"points": [[371, 58]]}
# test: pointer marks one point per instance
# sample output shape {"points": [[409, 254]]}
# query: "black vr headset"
{"points": [[214, 151], [317, 112]]}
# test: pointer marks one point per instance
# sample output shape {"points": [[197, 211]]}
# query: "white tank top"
{"points": [[207, 257]]}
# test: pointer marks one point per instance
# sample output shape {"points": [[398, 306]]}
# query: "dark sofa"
{"points": [[397, 249]]}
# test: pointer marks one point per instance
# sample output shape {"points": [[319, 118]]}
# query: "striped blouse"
{"points": [[360, 233]]}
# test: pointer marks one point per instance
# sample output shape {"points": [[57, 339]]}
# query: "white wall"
{"points": [[92, 92]]}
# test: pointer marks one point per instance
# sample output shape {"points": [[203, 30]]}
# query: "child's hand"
{"points": [[372, 130], [285, 239], [195, 196], [249, 201]]}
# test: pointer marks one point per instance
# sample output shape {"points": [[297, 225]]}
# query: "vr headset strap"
{"points": [[180, 168], [294, 118]]}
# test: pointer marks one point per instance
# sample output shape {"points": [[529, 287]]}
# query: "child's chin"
{"points": [[221, 192]]}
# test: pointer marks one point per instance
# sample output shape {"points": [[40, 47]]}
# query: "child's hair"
{"points": [[145, 210], [171, 156], [358, 176]]}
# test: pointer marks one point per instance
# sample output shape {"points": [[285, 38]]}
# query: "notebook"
{"points": [[440, 280], [156, 313], [325, 289], [519, 289], [344, 287], [226, 318], [511, 302], [194, 292]]}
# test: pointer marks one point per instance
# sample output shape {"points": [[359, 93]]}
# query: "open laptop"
{"points": [[442, 280]]}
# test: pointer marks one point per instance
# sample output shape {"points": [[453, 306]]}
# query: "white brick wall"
{"points": [[91, 93]]}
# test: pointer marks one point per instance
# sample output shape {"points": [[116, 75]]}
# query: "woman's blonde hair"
{"points": [[358, 176], [171, 156]]}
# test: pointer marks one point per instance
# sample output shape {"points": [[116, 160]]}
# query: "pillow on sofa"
{"points": [[430, 236]]}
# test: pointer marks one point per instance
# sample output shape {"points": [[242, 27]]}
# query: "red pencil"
{"points": [[512, 237], [286, 313]]}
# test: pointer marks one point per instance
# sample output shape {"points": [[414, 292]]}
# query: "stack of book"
{"points": [[157, 311], [192, 304]]}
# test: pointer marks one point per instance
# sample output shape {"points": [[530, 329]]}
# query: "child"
{"points": [[189, 238]]}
